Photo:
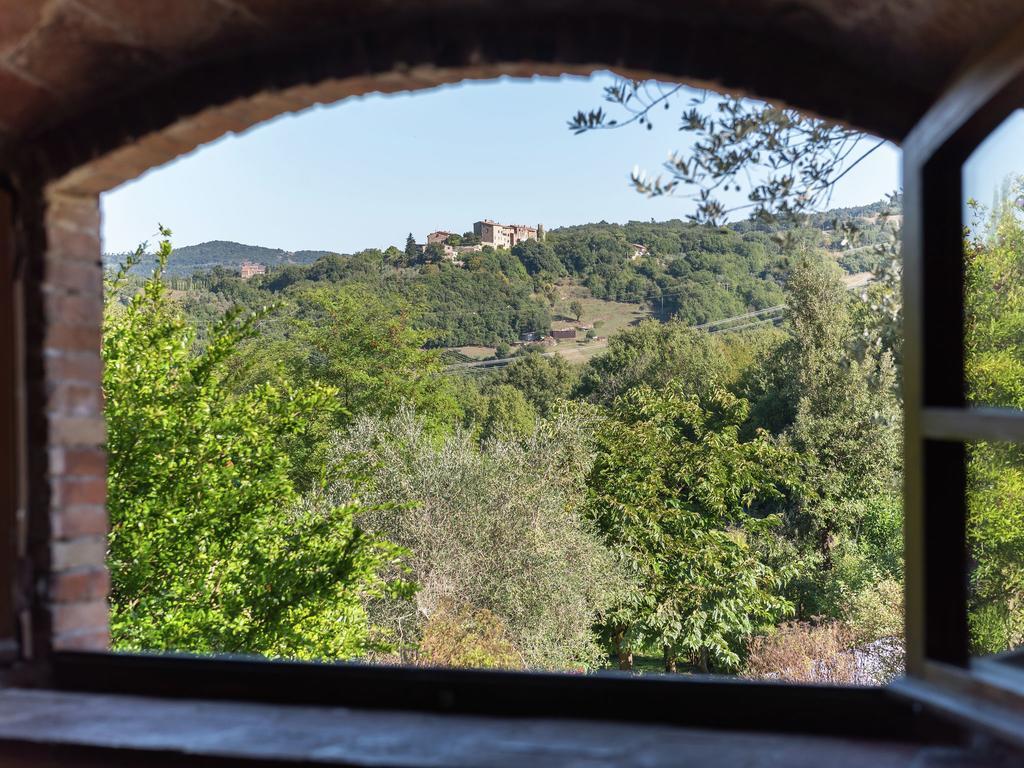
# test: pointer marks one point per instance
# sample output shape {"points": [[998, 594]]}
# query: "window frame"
{"points": [[938, 422]]}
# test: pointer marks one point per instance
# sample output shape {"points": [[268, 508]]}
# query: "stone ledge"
{"points": [[131, 727]]}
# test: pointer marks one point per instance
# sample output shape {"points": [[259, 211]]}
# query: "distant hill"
{"points": [[221, 253]]}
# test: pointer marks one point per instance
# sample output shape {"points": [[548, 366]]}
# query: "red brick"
{"points": [[74, 398], [93, 639], [74, 366], [77, 275], [76, 213], [85, 551], [80, 586], [19, 19], [78, 430], [77, 521], [162, 26], [68, 492], [74, 52], [78, 617], [73, 242], [72, 337], [74, 309], [23, 102], [78, 462]]}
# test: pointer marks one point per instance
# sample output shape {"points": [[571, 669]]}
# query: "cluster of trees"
{"points": [[693, 273], [994, 294], [203, 257], [294, 473], [305, 480]]}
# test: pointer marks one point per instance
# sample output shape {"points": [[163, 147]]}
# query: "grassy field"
{"points": [[607, 317]]}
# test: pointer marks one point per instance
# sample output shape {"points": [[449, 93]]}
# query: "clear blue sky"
{"points": [[366, 171], [994, 162]]}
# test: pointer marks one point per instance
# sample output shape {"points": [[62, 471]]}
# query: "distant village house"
{"points": [[564, 334], [249, 269], [638, 251], [490, 233], [503, 235]]}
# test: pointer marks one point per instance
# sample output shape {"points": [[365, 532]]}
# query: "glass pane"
{"points": [[995, 502], [994, 269], [994, 367]]}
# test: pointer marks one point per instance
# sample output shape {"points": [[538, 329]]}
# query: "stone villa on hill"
{"points": [[503, 235], [490, 233], [249, 269]]}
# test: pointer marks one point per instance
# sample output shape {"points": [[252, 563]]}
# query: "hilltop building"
{"points": [[503, 235], [638, 251], [249, 269]]}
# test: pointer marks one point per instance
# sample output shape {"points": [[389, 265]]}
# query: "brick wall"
{"points": [[72, 304]]}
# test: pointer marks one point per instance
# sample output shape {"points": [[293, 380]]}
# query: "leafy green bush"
{"points": [[465, 637], [212, 549], [495, 528]]}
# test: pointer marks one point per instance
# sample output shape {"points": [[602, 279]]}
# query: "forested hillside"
{"points": [[694, 274], [203, 257]]}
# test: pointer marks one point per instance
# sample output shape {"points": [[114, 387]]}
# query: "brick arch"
{"points": [[57, 171], [129, 71]]}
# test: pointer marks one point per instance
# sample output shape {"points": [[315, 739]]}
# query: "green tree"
{"points": [[994, 330], [846, 413], [543, 380], [576, 307], [508, 413], [671, 491], [368, 348], [212, 549], [538, 258], [412, 251], [433, 254], [496, 535], [653, 353]]}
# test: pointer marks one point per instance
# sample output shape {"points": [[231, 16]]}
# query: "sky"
{"points": [[994, 161], [366, 171]]}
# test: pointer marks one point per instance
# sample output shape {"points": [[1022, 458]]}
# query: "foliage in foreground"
{"points": [[671, 492], [494, 530], [994, 330], [211, 547]]}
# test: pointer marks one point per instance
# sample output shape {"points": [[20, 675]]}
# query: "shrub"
{"points": [[492, 527], [212, 549], [467, 637], [802, 652]]}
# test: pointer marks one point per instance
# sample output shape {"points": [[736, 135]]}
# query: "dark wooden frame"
{"points": [[938, 421], [9, 436]]}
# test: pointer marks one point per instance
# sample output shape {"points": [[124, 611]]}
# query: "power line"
{"points": [[776, 308], [761, 321]]}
